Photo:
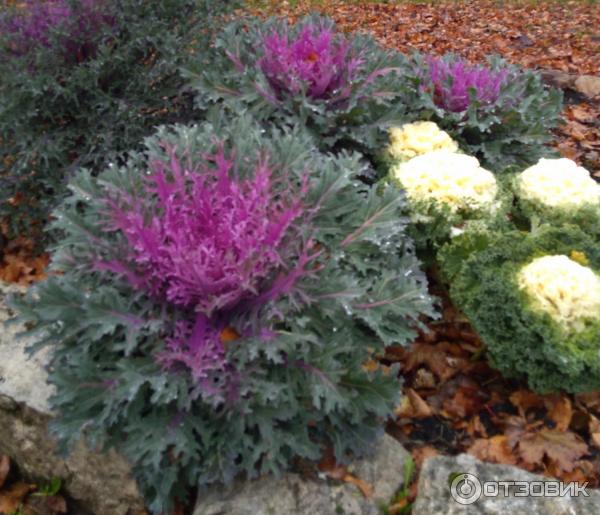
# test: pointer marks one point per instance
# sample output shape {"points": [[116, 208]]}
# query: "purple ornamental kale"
{"points": [[33, 22], [454, 80], [211, 242], [206, 239], [316, 61]]}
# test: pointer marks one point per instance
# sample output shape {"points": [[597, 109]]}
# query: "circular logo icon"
{"points": [[465, 488]]}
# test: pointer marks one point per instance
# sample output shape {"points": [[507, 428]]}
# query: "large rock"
{"points": [[435, 498], [291, 494], [100, 483], [587, 85]]}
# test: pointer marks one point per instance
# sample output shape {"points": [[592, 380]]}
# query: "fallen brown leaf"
{"points": [[365, 488], [562, 447], [560, 411], [329, 466], [435, 357], [525, 400], [13, 496], [475, 427], [590, 400], [413, 406], [594, 427], [580, 113], [4, 469], [495, 450], [465, 403]]}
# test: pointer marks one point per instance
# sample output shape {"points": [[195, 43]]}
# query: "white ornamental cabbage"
{"points": [[447, 178], [414, 139], [558, 183], [563, 288]]}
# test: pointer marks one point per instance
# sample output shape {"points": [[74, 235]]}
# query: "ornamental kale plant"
{"points": [[344, 89], [500, 113], [37, 23], [534, 298], [75, 92], [315, 60], [229, 228], [456, 83], [217, 299], [211, 243]]}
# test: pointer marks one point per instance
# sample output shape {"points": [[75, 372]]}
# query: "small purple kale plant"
{"points": [[455, 80], [342, 87], [215, 244], [499, 112], [34, 21], [316, 60]]}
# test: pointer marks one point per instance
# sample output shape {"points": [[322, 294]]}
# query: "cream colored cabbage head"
{"points": [[558, 183], [568, 291], [414, 139], [444, 177]]}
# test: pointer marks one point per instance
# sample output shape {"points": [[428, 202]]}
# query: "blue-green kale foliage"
{"points": [[82, 81], [201, 376]]}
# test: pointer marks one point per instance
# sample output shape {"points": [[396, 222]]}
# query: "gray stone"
{"points": [[20, 375], [295, 495], [100, 483], [588, 85], [434, 491]]}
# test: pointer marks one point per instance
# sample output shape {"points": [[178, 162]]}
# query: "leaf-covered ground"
{"points": [[558, 35], [20, 261]]}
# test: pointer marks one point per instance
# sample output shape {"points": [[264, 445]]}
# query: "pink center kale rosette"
{"points": [[204, 239], [213, 303], [344, 88], [496, 111], [316, 60]]}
